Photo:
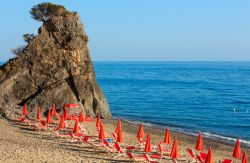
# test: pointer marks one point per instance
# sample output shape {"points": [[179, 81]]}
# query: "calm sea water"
{"points": [[185, 96]]}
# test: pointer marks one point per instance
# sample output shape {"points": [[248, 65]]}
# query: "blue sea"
{"points": [[211, 97]]}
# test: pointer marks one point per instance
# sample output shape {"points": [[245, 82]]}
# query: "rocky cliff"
{"points": [[54, 67]]}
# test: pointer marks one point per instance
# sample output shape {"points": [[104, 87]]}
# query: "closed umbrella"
{"points": [[167, 139], [98, 122], [48, 120], [101, 133], [119, 135], [81, 117], [237, 150], [148, 144], [199, 144], [209, 156], [38, 116], [118, 126], [140, 133], [76, 128], [53, 111], [174, 151], [244, 158], [25, 110]]}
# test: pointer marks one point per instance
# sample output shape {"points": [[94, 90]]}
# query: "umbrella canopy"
{"points": [[65, 113], [98, 122], [118, 126], [237, 150], [38, 116], [148, 144], [62, 123], [209, 156], [81, 117], [76, 128], [25, 110], [53, 111], [244, 158], [49, 119], [140, 133], [119, 138], [101, 132], [174, 151], [71, 105], [167, 139], [199, 144]]}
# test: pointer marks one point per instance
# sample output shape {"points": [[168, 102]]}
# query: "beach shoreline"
{"points": [[81, 152], [217, 138]]}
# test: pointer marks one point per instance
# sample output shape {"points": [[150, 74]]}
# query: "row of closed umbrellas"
{"points": [[237, 153]]}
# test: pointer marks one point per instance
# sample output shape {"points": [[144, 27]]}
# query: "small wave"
{"points": [[225, 139]]}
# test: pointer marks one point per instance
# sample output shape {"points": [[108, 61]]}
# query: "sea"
{"points": [[188, 97]]}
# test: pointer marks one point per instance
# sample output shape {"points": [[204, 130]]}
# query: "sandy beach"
{"points": [[21, 143]]}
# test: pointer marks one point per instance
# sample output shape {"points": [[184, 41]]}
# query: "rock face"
{"points": [[55, 67]]}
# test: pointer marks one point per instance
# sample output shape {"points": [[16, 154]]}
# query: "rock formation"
{"points": [[54, 67]]}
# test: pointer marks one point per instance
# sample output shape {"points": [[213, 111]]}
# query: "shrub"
{"points": [[27, 37], [43, 11], [18, 51]]}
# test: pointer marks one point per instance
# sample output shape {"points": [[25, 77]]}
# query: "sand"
{"points": [[21, 143]]}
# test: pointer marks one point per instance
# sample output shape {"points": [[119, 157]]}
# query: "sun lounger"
{"points": [[76, 137], [163, 149], [114, 136], [191, 153], [149, 159], [109, 148], [59, 135], [119, 149], [198, 158], [227, 161], [134, 158], [203, 156]]}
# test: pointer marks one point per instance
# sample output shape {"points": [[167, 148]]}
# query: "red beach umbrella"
{"points": [[101, 132], [62, 123], [140, 133], [65, 113], [48, 120], [199, 146], [167, 139], [118, 126], [148, 144], [71, 105], [209, 156], [244, 158], [119, 135], [81, 117], [38, 116], [53, 111], [76, 128], [25, 110], [174, 151], [98, 122], [237, 150]]}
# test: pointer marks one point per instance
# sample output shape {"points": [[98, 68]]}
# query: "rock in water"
{"points": [[54, 67]]}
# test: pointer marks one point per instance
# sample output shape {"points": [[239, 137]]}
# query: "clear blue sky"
{"points": [[177, 30]]}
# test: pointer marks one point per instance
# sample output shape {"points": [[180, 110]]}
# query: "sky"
{"points": [[145, 30]]}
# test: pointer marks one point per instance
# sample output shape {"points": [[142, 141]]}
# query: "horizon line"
{"points": [[162, 60]]}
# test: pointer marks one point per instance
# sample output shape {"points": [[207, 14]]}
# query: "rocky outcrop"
{"points": [[54, 67]]}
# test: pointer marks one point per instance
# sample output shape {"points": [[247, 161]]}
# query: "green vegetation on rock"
{"points": [[43, 11]]}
